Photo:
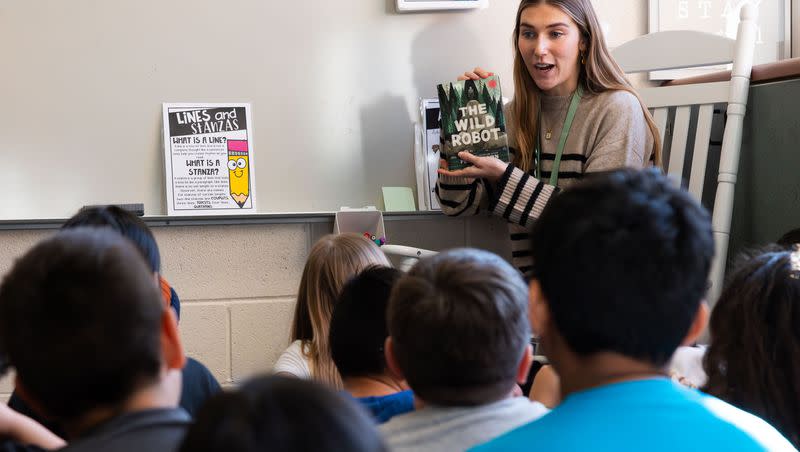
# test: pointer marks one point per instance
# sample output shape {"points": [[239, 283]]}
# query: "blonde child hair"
{"points": [[333, 260]]}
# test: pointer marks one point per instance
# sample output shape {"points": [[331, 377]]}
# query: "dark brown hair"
{"points": [[753, 361]]}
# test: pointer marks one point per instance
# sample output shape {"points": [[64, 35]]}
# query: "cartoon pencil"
{"points": [[238, 171]]}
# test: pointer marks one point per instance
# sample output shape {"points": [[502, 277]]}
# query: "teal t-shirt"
{"points": [[654, 415]]}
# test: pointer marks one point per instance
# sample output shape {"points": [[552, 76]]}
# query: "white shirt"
{"points": [[450, 429], [293, 362]]}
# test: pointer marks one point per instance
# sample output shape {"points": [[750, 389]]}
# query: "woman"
{"points": [[333, 260], [753, 361], [568, 89]]}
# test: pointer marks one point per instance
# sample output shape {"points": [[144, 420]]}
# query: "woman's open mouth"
{"points": [[543, 67]]}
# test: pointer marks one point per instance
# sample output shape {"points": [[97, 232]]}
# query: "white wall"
{"points": [[334, 87], [79, 69]]}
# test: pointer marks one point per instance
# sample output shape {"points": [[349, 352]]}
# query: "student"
{"points": [[560, 60], [333, 260], [282, 414], [459, 336], [622, 264], [94, 347], [357, 337], [753, 360], [198, 382]]}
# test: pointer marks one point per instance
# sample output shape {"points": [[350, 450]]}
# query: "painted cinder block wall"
{"points": [[238, 283]]}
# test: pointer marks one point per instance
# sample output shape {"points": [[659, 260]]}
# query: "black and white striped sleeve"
{"points": [[521, 197], [460, 196]]}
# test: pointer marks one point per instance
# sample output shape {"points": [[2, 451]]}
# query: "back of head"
{"points": [[623, 261], [358, 325], [333, 260], [459, 327], [79, 320], [754, 357], [284, 414], [126, 223]]}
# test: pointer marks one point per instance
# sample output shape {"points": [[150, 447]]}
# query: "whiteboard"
{"points": [[334, 87]]}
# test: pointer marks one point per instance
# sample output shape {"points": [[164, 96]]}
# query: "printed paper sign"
{"points": [[208, 151]]}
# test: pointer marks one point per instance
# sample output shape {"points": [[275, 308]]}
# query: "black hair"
{"points": [[80, 318], [282, 414], [623, 260], [358, 324], [753, 361], [459, 327], [124, 222], [790, 238]]}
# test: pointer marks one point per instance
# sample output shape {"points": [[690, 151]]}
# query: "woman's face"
{"points": [[551, 45]]}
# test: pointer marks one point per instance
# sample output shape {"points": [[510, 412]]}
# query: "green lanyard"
{"points": [[573, 107]]}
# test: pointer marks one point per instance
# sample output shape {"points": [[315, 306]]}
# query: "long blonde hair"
{"points": [[600, 73], [333, 260]]}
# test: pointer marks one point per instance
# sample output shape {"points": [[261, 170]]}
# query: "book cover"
{"points": [[472, 120]]}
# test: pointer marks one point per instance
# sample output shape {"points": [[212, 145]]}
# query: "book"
{"points": [[472, 120]]}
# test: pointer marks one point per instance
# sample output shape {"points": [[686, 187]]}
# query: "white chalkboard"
{"points": [[334, 88]]}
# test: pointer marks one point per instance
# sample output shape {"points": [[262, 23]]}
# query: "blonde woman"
{"points": [[333, 260], [573, 113]]}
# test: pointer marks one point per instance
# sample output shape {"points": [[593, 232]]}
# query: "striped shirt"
{"points": [[609, 132]]}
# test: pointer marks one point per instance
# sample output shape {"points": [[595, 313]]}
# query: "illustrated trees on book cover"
{"points": [[472, 120]]}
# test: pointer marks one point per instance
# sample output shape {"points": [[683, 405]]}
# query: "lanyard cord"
{"points": [[573, 107]]}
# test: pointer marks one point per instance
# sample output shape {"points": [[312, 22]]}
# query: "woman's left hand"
{"points": [[490, 168]]}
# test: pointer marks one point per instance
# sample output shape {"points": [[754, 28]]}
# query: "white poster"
{"points": [[208, 152]]}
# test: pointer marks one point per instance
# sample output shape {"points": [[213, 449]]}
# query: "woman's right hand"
{"points": [[475, 74]]}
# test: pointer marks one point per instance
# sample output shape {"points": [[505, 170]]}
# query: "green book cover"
{"points": [[472, 120]]}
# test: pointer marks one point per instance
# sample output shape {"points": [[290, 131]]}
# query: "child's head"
{"points": [[621, 266], [333, 260], [124, 222], [358, 325], [754, 357], [286, 414], [82, 322], [458, 327], [132, 228]]}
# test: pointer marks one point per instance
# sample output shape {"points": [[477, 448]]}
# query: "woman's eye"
{"points": [[556, 34], [528, 35]]}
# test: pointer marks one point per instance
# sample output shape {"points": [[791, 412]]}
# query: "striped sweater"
{"points": [[609, 132]]}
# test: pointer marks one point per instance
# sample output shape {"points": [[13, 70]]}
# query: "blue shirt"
{"points": [[384, 407], [654, 415]]}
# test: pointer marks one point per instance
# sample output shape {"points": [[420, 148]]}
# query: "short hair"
{"points": [[358, 324], [126, 223], [281, 413], [753, 361], [459, 327], [80, 319], [623, 260]]}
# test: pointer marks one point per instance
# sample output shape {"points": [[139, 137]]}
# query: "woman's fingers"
{"points": [[475, 74]]}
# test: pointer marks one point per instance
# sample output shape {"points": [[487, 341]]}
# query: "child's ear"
{"points": [[391, 359], [171, 346], [538, 310], [525, 364], [698, 324]]}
